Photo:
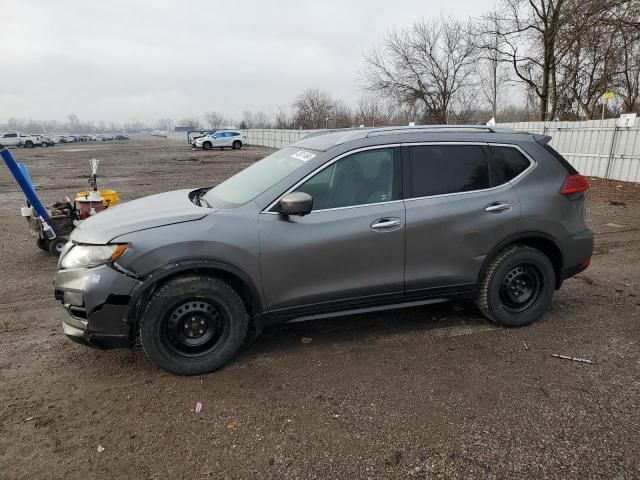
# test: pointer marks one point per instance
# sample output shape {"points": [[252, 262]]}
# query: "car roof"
{"points": [[323, 140]]}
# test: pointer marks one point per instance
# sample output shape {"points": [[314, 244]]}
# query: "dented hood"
{"points": [[141, 214]]}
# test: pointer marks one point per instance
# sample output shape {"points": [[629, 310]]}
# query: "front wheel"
{"points": [[517, 287], [193, 325], [206, 145]]}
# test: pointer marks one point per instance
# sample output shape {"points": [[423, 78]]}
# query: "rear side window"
{"points": [[508, 163], [561, 159], [442, 169]]}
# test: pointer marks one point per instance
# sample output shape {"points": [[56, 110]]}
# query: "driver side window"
{"points": [[358, 179]]}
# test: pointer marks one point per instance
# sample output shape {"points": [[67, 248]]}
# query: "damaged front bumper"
{"points": [[97, 301]]}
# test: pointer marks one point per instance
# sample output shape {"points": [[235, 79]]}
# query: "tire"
{"points": [[45, 144], [42, 244], [28, 144], [237, 145], [193, 325], [206, 145], [517, 287], [57, 245]]}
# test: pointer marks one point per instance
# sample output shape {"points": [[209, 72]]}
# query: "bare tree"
{"points": [[214, 119], [341, 115], [261, 120], [492, 68], [192, 123], [312, 108], [626, 21], [74, 122], [536, 36], [426, 66], [282, 118]]}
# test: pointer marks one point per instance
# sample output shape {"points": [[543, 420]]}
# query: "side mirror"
{"points": [[296, 203]]}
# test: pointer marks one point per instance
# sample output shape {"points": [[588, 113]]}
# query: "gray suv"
{"points": [[341, 222]]}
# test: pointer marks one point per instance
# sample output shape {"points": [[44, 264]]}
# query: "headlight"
{"points": [[91, 255]]}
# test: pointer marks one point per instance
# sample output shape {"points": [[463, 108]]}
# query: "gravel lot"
{"points": [[431, 392]]}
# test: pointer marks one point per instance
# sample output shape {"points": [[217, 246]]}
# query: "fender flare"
{"points": [[526, 235], [156, 276]]}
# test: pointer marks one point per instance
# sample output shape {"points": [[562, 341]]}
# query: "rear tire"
{"points": [[237, 145], [28, 144], [517, 287], [193, 324]]}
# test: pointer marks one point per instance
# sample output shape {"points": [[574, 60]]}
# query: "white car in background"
{"points": [[221, 139], [20, 139]]}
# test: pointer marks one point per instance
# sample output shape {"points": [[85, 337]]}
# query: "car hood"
{"points": [[141, 214]]}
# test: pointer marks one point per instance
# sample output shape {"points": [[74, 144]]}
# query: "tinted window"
{"points": [[10, 135], [359, 179], [563, 161], [508, 164], [440, 169]]}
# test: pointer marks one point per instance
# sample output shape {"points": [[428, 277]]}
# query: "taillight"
{"points": [[574, 184]]}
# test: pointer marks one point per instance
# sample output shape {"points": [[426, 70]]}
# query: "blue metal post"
{"points": [[24, 183]]}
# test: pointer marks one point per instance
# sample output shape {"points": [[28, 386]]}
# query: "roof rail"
{"points": [[422, 128]]}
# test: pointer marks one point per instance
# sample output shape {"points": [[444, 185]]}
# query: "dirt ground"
{"points": [[431, 392]]}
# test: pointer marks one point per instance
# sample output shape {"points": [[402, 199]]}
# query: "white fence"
{"points": [[595, 148]]}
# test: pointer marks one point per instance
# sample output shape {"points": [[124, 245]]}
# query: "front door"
{"points": [[457, 211], [350, 249]]}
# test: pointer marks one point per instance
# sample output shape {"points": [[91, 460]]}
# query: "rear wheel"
{"points": [[193, 324], [28, 144], [206, 145], [45, 144], [517, 287], [237, 145]]}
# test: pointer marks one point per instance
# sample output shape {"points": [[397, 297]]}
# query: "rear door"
{"points": [[350, 249], [456, 213]]}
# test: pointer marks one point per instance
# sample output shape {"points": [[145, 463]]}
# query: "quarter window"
{"points": [[442, 169], [508, 163], [359, 179]]}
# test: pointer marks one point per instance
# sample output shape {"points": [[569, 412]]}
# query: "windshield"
{"points": [[252, 181]]}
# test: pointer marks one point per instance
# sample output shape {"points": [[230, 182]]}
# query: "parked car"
{"points": [[192, 136], [338, 223], [122, 137], [221, 139], [48, 141], [19, 139]]}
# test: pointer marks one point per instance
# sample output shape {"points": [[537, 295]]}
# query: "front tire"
{"points": [[517, 287], [206, 145], [193, 325]]}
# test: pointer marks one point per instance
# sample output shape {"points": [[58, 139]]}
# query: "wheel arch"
{"points": [[538, 240], [234, 276]]}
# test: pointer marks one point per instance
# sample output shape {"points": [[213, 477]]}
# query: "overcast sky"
{"points": [[143, 60]]}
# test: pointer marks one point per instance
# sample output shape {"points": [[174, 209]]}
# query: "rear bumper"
{"points": [[97, 301], [577, 252]]}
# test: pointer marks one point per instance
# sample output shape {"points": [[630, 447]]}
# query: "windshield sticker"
{"points": [[302, 155]]}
